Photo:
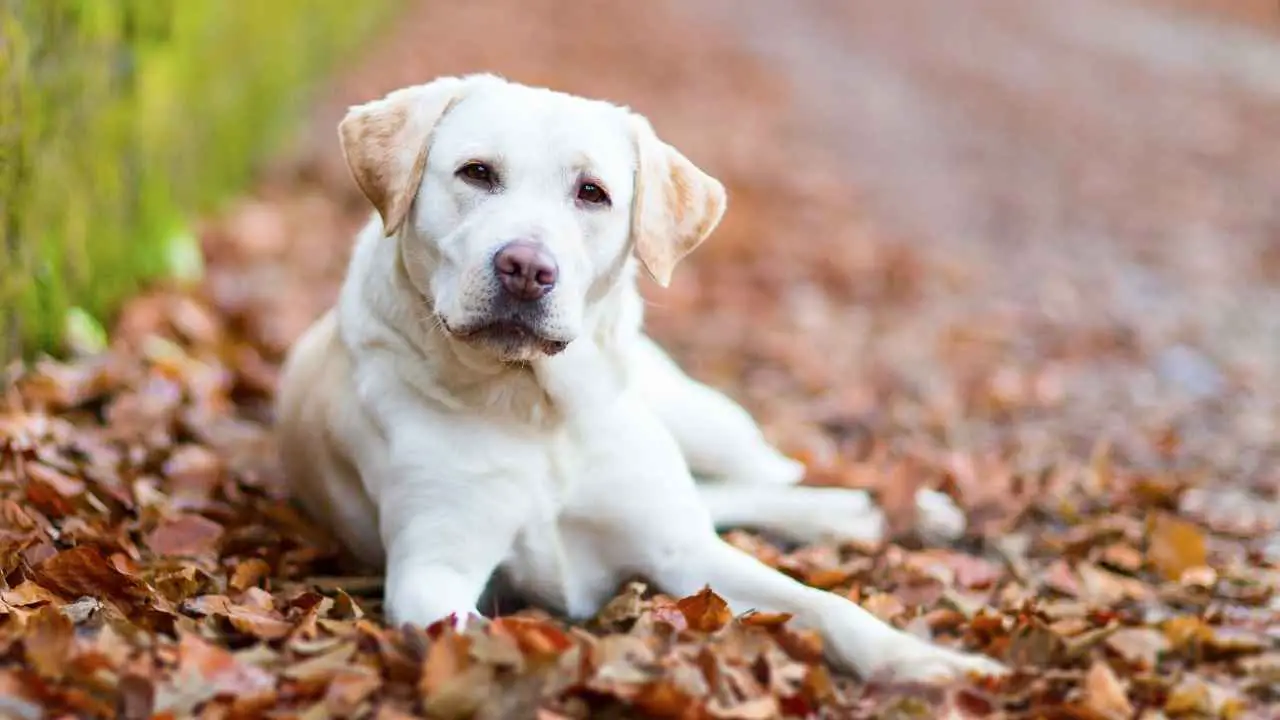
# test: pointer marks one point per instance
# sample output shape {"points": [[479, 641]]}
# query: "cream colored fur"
{"points": [[450, 458]]}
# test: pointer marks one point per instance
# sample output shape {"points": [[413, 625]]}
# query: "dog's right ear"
{"points": [[385, 143]]}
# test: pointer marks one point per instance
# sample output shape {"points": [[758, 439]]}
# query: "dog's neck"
{"points": [[381, 307]]}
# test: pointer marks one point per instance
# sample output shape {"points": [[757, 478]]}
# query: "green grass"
{"points": [[120, 119]]}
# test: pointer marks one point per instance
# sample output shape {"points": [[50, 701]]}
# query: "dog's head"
{"points": [[516, 208]]}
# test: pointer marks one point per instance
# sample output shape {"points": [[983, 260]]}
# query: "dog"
{"points": [[482, 397]]}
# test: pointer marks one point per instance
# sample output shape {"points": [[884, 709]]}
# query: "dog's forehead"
{"points": [[519, 122]]}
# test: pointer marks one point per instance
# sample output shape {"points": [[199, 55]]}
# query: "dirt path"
{"points": [[1023, 251]]}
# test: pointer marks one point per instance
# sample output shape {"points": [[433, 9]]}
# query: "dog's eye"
{"points": [[592, 194], [478, 173]]}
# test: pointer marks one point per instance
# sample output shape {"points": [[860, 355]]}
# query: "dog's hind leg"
{"points": [[795, 514], [718, 438], [726, 450]]}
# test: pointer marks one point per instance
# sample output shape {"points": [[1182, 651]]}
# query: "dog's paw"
{"points": [[767, 467], [938, 519], [411, 604], [839, 515], [921, 661]]}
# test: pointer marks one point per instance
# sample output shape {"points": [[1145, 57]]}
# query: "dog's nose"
{"points": [[525, 269]]}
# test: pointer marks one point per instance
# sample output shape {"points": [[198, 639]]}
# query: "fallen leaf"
{"points": [[447, 658], [27, 594], [1104, 694], [185, 536], [1190, 697], [47, 642], [1139, 646], [663, 610], [82, 610], [322, 667], [764, 619], [624, 609], [535, 638], [205, 671], [1033, 643], [256, 621], [84, 571], [349, 688], [248, 574], [705, 611], [884, 606], [1174, 546], [1186, 633]]}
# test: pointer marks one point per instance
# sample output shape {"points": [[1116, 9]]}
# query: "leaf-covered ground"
{"points": [[1045, 288]]}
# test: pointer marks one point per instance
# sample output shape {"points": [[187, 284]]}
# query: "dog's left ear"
{"points": [[675, 207], [385, 143]]}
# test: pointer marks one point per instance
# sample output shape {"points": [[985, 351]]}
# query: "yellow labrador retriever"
{"points": [[483, 399]]}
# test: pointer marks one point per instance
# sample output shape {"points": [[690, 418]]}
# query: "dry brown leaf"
{"points": [[448, 657], [663, 698], [84, 571], [759, 708], [664, 610], [705, 611], [322, 667], [765, 619], [349, 688], [1191, 697], [27, 594], [1033, 643], [535, 638], [205, 671], [256, 621], [249, 573], [884, 606], [1186, 633], [1105, 695], [185, 536], [1175, 546], [1139, 646], [47, 642]]}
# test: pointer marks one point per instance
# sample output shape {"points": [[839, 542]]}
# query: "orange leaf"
{"points": [[219, 670], [765, 619], [1104, 695], [84, 571], [1175, 546], [249, 573], [49, 635], [705, 611], [185, 536], [534, 637], [447, 658]]}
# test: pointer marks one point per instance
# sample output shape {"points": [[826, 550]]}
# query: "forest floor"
{"points": [[1022, 252]]}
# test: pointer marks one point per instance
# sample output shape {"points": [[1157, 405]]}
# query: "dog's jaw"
{"points": [[508, 340]]}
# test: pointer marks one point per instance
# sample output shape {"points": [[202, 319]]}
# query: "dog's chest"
{"points": [[556, 559]]}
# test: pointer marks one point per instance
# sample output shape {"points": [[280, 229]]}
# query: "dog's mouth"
{"points": [[511, 339]]}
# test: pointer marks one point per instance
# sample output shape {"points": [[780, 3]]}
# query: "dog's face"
{"points": [[516, 208]]}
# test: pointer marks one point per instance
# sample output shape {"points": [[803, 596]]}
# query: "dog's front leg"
{"points": [[452, 494], [444, 538]]}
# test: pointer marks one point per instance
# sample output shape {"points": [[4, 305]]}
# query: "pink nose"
{"points": [[525, 269]]}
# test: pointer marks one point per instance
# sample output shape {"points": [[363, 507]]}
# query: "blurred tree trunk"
{"points": [[119, 119]]}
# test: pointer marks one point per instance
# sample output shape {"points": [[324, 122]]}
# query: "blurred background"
{"points": [[1028, 229]]}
